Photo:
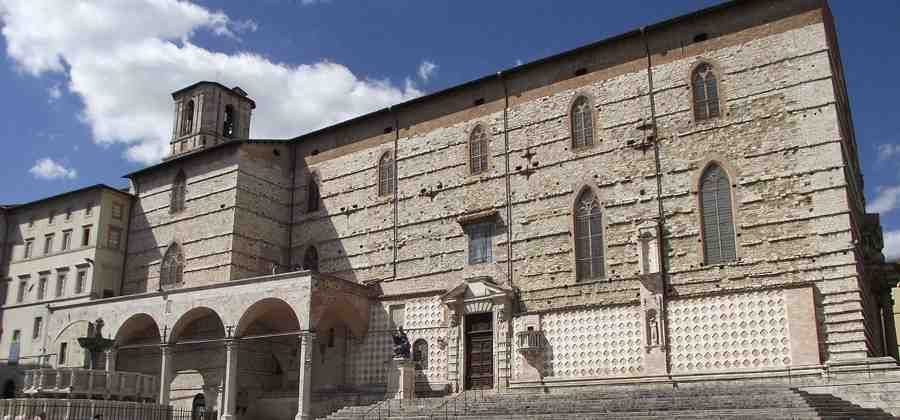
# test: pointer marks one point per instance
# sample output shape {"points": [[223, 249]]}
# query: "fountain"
{"points": [[94, 343]]}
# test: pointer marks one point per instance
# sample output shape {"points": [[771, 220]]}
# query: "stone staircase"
{"points": [[696, 402]]}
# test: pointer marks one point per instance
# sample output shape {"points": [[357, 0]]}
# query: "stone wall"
{"points": [[204, 229]]}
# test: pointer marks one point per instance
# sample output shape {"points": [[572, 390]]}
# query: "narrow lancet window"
{"points": [[582, 123], [478, 151], [706, 92], [588, 238], [716, 216]]}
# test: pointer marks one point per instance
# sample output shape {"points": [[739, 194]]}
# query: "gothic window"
{"points": [[716, 216], [312, 195], [588, 237], [229, 127], [311, 259], [582, 123], [706, 92], [187, 118], [480, 242], [420, 354], [171, 271], [179, 190], [478, 151], [386, 181]]}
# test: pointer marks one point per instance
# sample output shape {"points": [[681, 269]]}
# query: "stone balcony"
{"points": [[530, 342], [92, 384]]}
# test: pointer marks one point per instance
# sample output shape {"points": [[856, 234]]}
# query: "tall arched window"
{"points": [[312, 195], [311, 259], [705, 89], [187, 118], [582, 123], [386, 181], [171, 271], [478, 150], [588, 237], [420, 354], [229, 127], [716, 215], [178, 193]]}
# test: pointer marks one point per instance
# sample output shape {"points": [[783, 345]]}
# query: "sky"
{"points": [[88, 83]]}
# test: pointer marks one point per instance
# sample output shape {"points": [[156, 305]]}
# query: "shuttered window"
{"points": [[717, 216], [386, 174], [588, 238], [478, 151], [706, 93], [582, 124]]}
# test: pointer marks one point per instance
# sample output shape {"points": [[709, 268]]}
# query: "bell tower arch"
{"points": [[208, 113]]}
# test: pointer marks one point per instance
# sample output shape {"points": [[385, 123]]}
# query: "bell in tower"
{"points": [[208, 113]]}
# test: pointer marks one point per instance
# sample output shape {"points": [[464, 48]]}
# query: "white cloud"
{"points": [[426, 70], [891, 245], [47, 168], [54, 92], [125, 57], [887, 200], [888, 151]]}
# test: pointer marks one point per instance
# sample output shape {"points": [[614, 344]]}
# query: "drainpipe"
{"points": [[661, 217], [396, 186], [509, 255]]}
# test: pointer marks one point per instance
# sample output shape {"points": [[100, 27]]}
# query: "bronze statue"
{"points": [[401, 344]]}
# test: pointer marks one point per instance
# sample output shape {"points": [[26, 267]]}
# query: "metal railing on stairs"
{"points": [[459, 404]]}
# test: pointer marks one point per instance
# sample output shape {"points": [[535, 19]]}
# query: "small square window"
{"points": [[89, 208]]}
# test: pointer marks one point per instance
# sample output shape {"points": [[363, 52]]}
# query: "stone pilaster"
{"points": [[653, 308], [304, 402], [165, 375], [230, 398]]}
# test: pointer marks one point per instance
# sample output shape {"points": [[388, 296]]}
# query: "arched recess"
{"points": [[198, 360], [68, 352], [338, 327], [274, 356], [200, 323], [137, 343]]}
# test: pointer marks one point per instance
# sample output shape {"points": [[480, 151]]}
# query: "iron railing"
{"points": [[48, 409]]}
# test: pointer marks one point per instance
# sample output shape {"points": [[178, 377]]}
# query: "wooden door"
{"points": [[479, 352]]}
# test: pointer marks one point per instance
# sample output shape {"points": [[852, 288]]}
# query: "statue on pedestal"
{"points": [[401, 344]]}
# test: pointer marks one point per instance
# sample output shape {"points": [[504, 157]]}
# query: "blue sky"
{"points": [[87, 83]]}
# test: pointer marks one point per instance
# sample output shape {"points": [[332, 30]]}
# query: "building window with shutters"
{"points": [[42, 286], [581, 122], [480, 242], [66, 240], [386, 176], [478, 151], [716, 215], [705, 92], [23, 288], [38, 327], [61, 276], [80, 280], [588, 234]]}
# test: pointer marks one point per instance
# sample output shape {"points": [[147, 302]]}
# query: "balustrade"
{"points": [[65, 382], [530, 341]]}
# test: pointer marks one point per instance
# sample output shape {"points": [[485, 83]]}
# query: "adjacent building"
{"points": [[677, 203], [58, 250]]}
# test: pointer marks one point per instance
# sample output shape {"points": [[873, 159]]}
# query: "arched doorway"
{"points": [[198, 408], [9, 389], [198, 359]]}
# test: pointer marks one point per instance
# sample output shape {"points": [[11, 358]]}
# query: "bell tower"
{"points": [[207, 114]]}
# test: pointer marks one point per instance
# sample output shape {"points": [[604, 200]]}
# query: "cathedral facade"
{"points": [[682, 202]]}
